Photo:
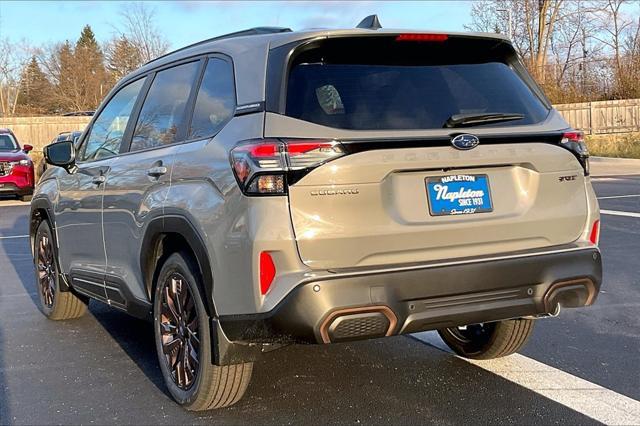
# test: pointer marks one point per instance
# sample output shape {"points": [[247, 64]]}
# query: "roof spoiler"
{"points": [[371, 22]]}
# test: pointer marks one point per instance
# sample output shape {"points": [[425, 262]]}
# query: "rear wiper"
{"points": [[464, 120]]}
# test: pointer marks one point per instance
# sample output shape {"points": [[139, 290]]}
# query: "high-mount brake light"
{"points": [[422, 37], [574, 141], [261, 165]]}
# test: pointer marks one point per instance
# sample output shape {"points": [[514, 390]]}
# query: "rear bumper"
{"points": [[361, 304]]}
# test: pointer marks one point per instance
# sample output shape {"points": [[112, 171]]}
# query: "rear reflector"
{"points": [[594, 237], [267, 272], [422, 37]]}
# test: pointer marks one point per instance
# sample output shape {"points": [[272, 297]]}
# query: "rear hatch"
{"points": [[401, 192]]}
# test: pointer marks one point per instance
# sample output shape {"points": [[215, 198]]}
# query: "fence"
{"points": [[592, 117], [603, 116], [39, 131]]}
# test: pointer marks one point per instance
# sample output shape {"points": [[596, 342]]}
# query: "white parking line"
{"points": [[14, 236], [617, 213], [595, 401], [619, 196]]}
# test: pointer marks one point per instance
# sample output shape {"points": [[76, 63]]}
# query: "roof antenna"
{"points": [[371, 22]]}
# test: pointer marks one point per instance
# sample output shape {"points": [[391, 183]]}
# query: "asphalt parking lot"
{"points": [[580, 368]]}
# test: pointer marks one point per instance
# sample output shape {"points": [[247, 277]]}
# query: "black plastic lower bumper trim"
{"points": [[432, 298]]}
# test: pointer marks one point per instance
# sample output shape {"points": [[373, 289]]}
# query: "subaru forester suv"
{"points": [[271, 187]]}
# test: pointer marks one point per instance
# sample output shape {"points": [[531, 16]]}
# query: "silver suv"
{"points": [[271, 187]]}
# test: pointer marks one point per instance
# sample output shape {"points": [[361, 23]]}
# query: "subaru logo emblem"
{"points": [[465, 141]]}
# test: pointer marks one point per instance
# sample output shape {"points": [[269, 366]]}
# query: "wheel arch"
{"points": [[169, 234]]}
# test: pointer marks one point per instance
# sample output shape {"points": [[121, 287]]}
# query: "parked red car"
{"points": [[16, 168]]}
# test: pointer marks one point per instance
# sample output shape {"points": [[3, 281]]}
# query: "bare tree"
{"points": [[14, 56], [139, 29]]}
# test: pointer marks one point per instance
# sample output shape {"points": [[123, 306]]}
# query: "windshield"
{"points": [[7, 143], [380, 97]]}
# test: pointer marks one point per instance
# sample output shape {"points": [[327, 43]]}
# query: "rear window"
{"points": [[386, 91]]}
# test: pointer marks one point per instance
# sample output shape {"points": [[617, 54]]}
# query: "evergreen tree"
{"points": [[35, 89], [122, 57]]}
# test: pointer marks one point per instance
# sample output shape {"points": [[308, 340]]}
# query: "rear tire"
{"points": [[54, 303], [183, 342], [488, 340]]}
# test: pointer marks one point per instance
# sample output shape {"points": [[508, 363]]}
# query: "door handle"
{"points": [[100, 179], [157, 171]]}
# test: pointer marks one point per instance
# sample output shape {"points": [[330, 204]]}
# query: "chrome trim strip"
{"points": [[331, 276]]}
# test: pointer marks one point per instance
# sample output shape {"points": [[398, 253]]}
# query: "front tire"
{"points": [[488, 340], [183, 342], [54, 303]]}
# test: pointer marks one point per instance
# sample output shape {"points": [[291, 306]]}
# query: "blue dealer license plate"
{"points": [[458, 194]]}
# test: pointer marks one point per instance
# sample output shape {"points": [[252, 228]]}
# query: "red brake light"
{"points": [[267, 272], [260, 165], [594, 237], [573, 136], [422, 37]]}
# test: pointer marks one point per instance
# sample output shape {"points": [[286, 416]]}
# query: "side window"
{"points": [[106, 133], [216, 100], [164, 107]]}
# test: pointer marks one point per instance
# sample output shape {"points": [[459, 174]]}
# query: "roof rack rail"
{"points": [[249, 32], [371, 22]]}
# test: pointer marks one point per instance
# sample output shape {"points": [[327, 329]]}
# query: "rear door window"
{"points": [[164, 108]]}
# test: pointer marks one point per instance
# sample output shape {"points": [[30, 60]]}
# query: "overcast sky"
{"points": [[190, 21]]}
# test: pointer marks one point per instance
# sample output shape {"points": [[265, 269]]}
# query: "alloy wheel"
{"points": [[179, 331], [46, 271]]}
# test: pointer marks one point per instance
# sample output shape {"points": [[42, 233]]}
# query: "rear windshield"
{"points": [[409, 95]]}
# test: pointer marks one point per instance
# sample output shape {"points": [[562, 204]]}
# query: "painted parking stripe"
{"points": [[619, 196], [14, 236], [590, 399], [617, 213]]}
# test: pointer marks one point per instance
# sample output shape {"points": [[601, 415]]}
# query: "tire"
{"points": [[198, 384], [54, 303], [26, 198], [488, 340]]}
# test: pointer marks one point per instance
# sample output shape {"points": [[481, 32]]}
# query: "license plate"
{"points": [[458, 194]]}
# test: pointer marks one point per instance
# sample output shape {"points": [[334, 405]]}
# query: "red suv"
{"points": [[16, 168]]}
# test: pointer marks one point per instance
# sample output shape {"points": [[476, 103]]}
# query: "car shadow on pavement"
{"points": [[135, 338]]}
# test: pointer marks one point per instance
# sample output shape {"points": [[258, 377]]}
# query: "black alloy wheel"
{"points": [[179, 330], [46, 270]]}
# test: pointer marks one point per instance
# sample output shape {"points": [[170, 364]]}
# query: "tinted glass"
{"points": [[377, 97], [108, 129], [216, 100], [7, 143], [164, 106]]}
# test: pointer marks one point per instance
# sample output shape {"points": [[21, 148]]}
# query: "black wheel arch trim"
{"points": [[178, 223], [43, 203]]}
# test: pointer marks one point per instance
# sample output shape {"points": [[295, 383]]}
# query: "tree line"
{"points": [[577, 50], [74, 77]]}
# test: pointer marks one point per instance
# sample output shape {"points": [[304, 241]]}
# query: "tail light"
{"points": [[594, 236], [261, 166], [574, 142]]}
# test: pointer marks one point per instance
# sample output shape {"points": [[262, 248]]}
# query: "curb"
{"points": [[626, 161]]}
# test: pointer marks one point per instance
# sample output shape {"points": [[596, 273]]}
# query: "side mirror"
{"points": [[27, 148], [61, 154]]}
